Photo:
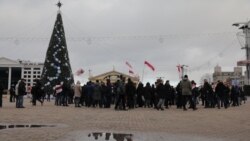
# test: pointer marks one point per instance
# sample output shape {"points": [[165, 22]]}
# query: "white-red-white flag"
{"points": [[127, 63], [149, 65], [79, 72], [179, 70]]}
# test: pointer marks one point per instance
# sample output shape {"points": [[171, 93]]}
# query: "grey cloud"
{"points": [[116, 23]]}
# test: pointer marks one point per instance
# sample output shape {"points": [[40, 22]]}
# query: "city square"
{"points": [[145, 124], [129, 70]]}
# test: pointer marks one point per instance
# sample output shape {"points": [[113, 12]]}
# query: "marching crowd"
{"points": [[127, 95]]}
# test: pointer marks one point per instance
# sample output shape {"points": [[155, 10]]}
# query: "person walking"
{"points": [[195, 94], [77, 93], [37, 93], [130, 91], [160, 90], [186, 88], [121, 93], [12, 93], [21, 93]]}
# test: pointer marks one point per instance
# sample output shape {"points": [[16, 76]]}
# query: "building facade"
{"points": [[13, 70], [113, 76], [235, 77]]}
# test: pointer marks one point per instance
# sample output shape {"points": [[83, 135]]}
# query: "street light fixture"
{"points": [[246, 30]]}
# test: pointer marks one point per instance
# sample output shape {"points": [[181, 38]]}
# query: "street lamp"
{"points": [[245, 26]]}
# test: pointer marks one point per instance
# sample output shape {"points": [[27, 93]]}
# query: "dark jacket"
{"points": [[147, 92], [21, 89], [219, 89], [168, 91], [1, 88], [160, 90], [130, 89]]}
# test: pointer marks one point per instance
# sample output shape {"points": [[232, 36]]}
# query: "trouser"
{"points": [[88, 101], [193, 102], [35, 98], [121, 98], [95, 103], [147, 103], [184, 101], [218, 102], [48, 97], [77, 101], [108, 102], [65, 99], [161, 103], [58, 99], [166, 102], [1, 100], [12, 98], [179, 101], [235, 101], [82, 100], [19, 101]]}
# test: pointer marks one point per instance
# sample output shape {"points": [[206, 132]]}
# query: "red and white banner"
{"points": [[79, 72], [149, 65], [243, 62], [127, 63], [179, 70]]}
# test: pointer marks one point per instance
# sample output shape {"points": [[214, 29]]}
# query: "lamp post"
{"points": [[245, 26]]}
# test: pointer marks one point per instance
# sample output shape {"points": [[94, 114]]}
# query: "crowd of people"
{"points": [[18, 91], [127, 95]]}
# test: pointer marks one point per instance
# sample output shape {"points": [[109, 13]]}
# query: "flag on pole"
{"points": [[179, 70], [131, 72], [79, 72], [127, 63], [149, 65]]}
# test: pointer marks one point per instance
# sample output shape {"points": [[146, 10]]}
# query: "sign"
{"points": [[243, 62]]}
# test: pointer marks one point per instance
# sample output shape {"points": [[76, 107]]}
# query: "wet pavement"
{"points": [[135, 136], [12, 126], [110, 136]]}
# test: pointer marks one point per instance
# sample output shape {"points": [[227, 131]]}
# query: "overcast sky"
{"points": [[102, 34]]}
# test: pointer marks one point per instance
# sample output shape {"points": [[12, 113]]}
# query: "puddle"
{"points": [[132, 136], [110, 136], [24, 126]]}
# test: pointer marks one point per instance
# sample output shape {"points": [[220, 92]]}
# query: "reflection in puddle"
{"points": [[24, 126], [111, 136]]}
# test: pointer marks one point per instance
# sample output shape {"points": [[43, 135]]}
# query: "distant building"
{"points": [[113, 76], [13, 70], [235, 77]]}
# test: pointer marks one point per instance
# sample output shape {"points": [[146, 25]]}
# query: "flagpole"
{"points": [[143, 73]]}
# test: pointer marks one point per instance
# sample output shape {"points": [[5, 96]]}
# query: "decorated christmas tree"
{"points": [[57, 64]]}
